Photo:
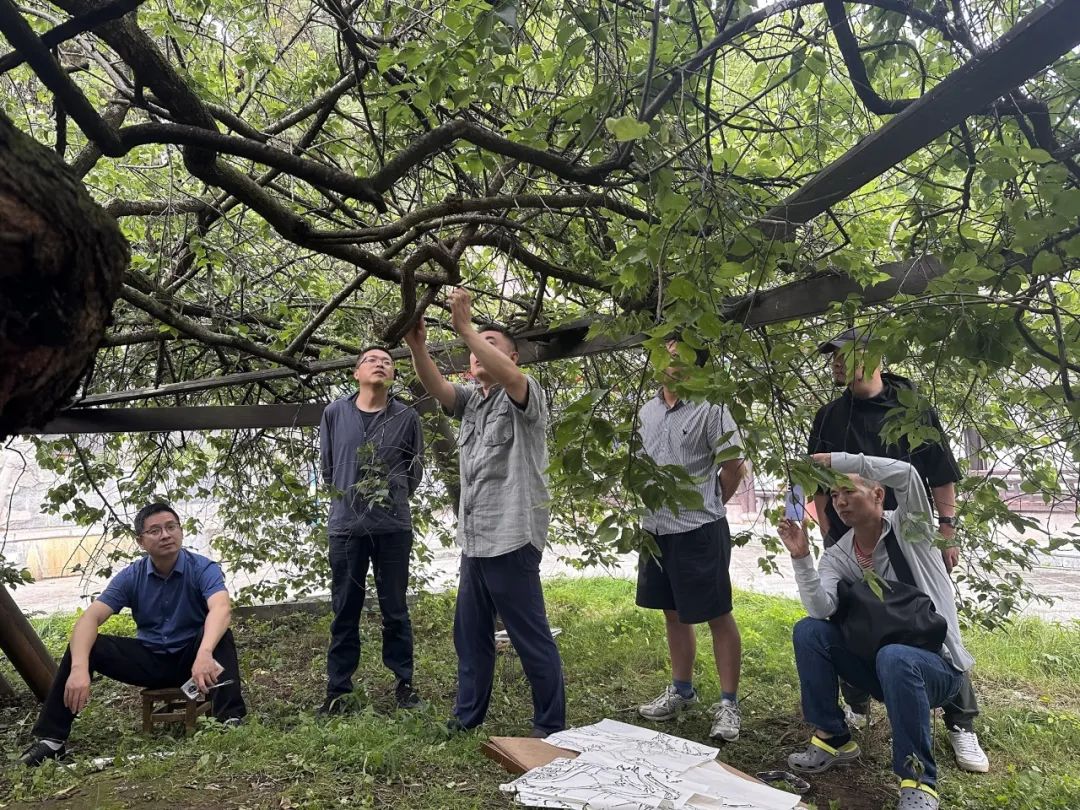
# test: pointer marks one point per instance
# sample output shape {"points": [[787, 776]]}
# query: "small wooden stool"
{"points": [[161, 706]]}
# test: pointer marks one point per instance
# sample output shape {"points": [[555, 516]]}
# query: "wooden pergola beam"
{"points": [[208, 417], [1034, 43]]}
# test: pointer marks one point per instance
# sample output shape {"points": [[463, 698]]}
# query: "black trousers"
{"points": [[510, 585], [350, 557], [129, 661]]}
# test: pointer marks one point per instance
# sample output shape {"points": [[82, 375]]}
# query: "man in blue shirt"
{"points": [[181, 611]]}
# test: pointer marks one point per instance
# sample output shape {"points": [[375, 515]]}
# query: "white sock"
{"points": [[55, 745]]}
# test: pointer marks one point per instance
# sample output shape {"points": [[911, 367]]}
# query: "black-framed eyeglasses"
{"points": [[172, 527]]}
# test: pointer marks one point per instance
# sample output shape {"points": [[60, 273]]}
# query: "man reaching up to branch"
{"points": [[501, 521]]}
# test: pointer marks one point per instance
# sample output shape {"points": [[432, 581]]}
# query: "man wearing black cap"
{"points": [[856, 422]]}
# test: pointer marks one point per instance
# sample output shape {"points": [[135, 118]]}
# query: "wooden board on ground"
{"points": [[521, 754]]}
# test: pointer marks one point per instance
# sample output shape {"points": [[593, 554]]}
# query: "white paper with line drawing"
{"points": [[626, 767]]}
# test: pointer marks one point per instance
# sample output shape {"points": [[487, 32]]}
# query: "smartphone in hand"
{"points": [[795, 504]]}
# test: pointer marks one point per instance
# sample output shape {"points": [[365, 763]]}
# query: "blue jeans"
{"points": [[910, 682]]}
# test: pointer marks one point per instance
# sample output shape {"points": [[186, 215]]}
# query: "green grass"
{"points": [[615, 656]]}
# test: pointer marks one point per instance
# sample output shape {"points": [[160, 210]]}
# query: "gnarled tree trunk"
{"points": [[62, 259]]}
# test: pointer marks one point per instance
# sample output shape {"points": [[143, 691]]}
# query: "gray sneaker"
{"points": [[727, 720], [667, 706], [922, 797], [819, 756]]}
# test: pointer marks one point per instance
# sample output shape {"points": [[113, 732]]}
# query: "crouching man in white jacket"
{"points": [[909, 680]]}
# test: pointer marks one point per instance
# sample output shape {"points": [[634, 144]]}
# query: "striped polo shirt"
{"points": [[688, 434]]}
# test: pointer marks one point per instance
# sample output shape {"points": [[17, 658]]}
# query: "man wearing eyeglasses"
{"points": [[371, 447], [181, 611]]}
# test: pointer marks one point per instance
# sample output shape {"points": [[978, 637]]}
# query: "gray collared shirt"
{"points": [[503, 457], [688, 434]]}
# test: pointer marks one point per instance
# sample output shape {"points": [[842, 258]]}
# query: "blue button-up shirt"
{"points": [[169, 611]]}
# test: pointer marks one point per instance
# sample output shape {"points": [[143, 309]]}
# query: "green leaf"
{"points": [[1046, 262], [1038, 156], [682, 288], [1000, 170], [626, 128]]}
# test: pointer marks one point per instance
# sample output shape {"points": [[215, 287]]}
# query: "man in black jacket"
{"points": [[859, 422], [371, 446]]}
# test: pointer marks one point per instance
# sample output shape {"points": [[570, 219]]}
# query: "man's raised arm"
{"points": [[900, 476], [501, 367], [426, 370]]}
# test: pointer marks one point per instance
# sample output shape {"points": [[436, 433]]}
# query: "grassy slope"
{"points": [[615, 657]]}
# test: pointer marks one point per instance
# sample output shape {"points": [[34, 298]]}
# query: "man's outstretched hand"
{"points": [[793, 536], [416, 337], [460, 310]]}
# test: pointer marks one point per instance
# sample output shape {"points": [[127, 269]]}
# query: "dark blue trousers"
{"points": [[350, 557], [510, 586]]}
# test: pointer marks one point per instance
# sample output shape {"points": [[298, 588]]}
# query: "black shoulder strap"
{"points": [[899, 562]]}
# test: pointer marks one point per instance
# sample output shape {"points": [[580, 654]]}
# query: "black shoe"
{"points": [[454, 727], [233, 722], [406, 696], [39, 752], [332, 706]]}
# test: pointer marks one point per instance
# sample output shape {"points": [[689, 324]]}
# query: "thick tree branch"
{"points": [[168, 315], [315, 173], [69, 29], [24, 40], [433, 142], [849, 50], [508, 203]]}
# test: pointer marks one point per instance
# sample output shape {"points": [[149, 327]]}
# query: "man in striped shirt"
{"points": [[689, 580]]}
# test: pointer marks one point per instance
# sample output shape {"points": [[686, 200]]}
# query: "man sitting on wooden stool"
{"points": [[181, 610]]}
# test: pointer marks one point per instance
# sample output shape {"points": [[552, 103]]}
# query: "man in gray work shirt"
{"points": [[690, 581], [502, 519], [371, 446]]}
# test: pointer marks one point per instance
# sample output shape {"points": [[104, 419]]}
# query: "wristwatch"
{"points": [[946, 520]]}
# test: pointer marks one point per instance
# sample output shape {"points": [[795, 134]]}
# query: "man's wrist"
{"points": [[77, 666]]}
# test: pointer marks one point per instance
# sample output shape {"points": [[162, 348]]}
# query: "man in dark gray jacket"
{"points": [[371, 447]]}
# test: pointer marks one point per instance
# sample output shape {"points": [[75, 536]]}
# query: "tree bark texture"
{"points": [[62, 259]]}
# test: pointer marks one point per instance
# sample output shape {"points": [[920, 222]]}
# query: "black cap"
{"points": [[853, 335]]}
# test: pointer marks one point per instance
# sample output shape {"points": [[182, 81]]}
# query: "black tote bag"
{"points": [[903, 614]]}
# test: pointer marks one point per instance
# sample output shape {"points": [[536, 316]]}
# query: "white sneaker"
{"points": [[969, 754], [667, 705], [727, 721]]}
